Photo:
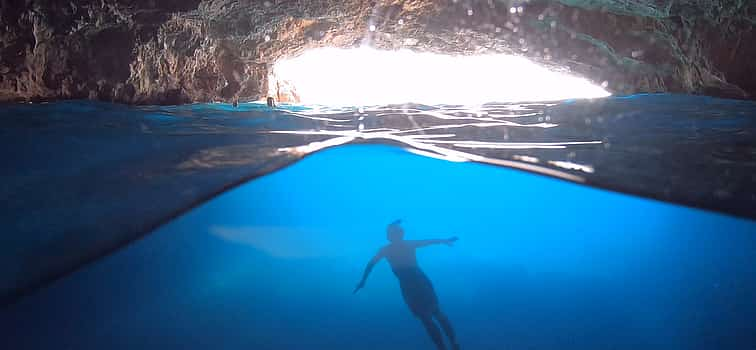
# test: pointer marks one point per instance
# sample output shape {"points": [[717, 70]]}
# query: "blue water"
{"points": [[540, 264], [620, 223]]}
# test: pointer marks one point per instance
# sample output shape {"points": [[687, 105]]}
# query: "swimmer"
{"points": [[417, 289]]}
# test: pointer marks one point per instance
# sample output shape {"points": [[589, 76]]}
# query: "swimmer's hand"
{"points": [[359, 286], [450, 241]]}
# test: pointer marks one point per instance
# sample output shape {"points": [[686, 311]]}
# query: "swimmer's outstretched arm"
{"points": [[378, 256], [427, 242]]}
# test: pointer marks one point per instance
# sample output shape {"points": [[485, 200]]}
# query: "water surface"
{"points": [[541, 263], [83, 178]]}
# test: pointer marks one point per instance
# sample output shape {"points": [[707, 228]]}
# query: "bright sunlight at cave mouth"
{"points": [[366, 76]]}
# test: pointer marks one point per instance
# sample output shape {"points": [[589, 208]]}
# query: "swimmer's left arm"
{"points": [[378, 256], [427, 242]]}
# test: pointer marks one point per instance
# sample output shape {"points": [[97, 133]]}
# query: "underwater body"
{"points": [[624, 223]]}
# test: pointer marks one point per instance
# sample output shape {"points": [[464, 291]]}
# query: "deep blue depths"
{"points": [[540, 264]]}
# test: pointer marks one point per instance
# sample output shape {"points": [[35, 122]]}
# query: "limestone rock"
{"points": [[180, 51]]}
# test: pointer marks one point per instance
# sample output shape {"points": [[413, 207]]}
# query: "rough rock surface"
{"points": [[178, 51]]}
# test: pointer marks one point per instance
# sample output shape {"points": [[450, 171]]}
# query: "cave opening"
{"points": [[368, 76]]}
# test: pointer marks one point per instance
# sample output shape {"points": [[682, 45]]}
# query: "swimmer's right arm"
{"points": [[427, 242], [378, 256]]}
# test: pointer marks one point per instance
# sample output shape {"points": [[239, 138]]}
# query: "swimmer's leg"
{"points": [[447, 327], [433, 331]]}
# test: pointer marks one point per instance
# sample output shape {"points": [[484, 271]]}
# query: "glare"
{"points": [[366, 76]]}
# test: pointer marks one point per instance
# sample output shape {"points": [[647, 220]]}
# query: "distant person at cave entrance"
{"points": [[417, 289]]}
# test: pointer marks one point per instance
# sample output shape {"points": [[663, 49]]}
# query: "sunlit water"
{"points": [[543, 261], [329, 76]]}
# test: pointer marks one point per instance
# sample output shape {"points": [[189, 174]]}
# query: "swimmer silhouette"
{"points": [[417, 289]]}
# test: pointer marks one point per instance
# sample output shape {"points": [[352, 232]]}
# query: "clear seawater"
{"points": [[623, 224]]}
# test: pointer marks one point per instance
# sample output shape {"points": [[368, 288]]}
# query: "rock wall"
{"points": [[179, 51]]}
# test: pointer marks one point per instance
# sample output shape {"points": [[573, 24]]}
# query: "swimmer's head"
{"points": [[394, 231]]}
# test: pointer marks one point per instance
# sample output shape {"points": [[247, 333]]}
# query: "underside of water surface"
{"points": [[624, 222], [540, 264]]}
